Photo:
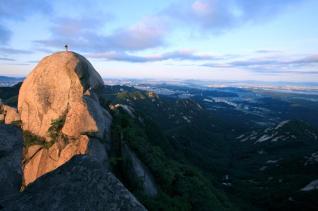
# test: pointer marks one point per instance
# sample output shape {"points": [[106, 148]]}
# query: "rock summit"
{"points": [[61, 114]]}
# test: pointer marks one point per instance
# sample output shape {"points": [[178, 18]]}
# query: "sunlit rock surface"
{"points": [[8, 114], [61, 93]]}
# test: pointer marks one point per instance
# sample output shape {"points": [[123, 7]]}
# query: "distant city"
{"points": [[147, 84]]}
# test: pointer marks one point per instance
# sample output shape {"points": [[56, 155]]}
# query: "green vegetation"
{"points": [[31, 139], [167, 143], [134, 95], [12, 101], [17, 123], [9, 95], [190, 150], [182, 187], [55, 130]]}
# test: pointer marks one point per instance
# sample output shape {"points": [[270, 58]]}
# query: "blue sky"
{"points": [[266, 40]]}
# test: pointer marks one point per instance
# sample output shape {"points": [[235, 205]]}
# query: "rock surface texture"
{"points": [[59, 103], [8, 114], [138, 172], [11, 144], [80, 184], [61, 84]]}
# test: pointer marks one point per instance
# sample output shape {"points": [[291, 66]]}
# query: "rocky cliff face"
{"points": [[138, 172], [80, 184], [60, 110], [11, 143], [65, 126]]}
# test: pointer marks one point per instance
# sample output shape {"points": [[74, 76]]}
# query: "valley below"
{"points": [[211, 148]]}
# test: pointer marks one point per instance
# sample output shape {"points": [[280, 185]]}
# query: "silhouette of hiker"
{"points": [[66, 47]]}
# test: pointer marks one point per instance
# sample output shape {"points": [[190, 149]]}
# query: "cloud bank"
{"points": [[82, 33], [88, 31], [218, 16], [273, 65], [181, 55]]}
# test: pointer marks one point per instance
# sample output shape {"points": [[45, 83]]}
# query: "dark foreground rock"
{"points": [[80, 184], [11, 144]]}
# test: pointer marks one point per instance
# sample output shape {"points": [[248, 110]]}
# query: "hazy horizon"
{"points": [[231, 40], [201, 82]]}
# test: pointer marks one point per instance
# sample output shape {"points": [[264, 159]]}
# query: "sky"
{"points": [[262, 40]]}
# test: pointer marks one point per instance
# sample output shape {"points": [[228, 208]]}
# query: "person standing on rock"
{"points": [[66, 47]]}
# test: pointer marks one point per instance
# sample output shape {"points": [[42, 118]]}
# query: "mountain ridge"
{"points": [[204, 148]]}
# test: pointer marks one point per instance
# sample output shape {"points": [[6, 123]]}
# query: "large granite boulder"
{"points": [[59, 105], [11, 144], [56, 87], [8, 114], [39, 160], [80, 184]]}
